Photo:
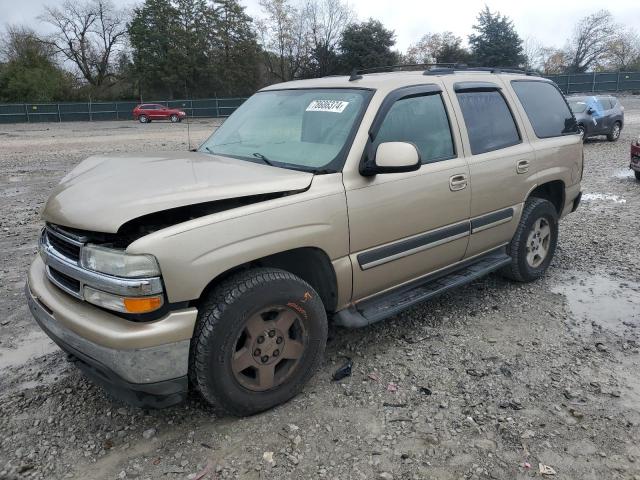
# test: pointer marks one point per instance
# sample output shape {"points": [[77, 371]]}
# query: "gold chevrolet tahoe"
{"points": [[342, 199]]}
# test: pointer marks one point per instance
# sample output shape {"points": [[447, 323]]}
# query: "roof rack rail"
{"points": [[356, 73], [437, 69]]}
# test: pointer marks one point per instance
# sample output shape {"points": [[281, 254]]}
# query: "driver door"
{"points": [[406, 225]]}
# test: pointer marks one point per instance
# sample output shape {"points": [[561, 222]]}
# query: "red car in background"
{"points": [[152, 111], [635, 157]]}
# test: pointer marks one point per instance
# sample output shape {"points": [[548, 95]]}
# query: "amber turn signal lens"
{"points": [[142, 305]]}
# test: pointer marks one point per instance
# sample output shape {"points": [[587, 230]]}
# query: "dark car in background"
{"points": [[146, 112], [598, 115]]}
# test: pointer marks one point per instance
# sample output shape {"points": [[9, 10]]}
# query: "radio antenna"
{"points": [[188, 130]]}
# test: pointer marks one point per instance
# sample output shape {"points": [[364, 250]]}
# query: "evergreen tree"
{"points": [[367, 44], [496, 43], [30, 72], [151, 35], [191, 51], [236, 50]]}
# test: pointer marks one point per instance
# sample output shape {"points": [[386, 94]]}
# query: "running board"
{"points": [[388, 304]]}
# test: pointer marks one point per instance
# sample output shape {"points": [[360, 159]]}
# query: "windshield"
{"points": [[577, 106], [300, 129]]}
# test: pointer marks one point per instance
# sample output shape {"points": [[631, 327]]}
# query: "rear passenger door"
{"points": [[501, 162]]}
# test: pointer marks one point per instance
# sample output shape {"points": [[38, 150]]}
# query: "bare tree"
{"points": [[284, 37], [19, 41], [624, 50], [534, 53], [590, 42], [437, 47], [553, 61], [89, 34], [327, 20]]}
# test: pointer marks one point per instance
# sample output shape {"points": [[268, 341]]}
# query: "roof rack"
{"points": [[356, 73], [437, 69]]}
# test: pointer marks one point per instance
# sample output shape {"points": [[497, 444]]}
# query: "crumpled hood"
{"points": [[104, 192]]}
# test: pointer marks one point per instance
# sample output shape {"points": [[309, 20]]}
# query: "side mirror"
{"points": [[393, 157], [590, 110]]}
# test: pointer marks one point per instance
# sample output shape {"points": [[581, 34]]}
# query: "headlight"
{"points": [[122, 304], [182, 113], [118, 263]]}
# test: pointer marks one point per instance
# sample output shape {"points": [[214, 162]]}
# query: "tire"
{"points": [[246, 308], [143, 119], [637, 175], [615, 132], [174, 118], [528, 265], [583, 132]]}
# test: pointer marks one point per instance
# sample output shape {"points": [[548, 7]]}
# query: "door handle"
{"points": [[522, 166], [457, 182]]}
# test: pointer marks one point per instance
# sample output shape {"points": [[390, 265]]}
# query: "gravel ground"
{"points": [[487, 382]]}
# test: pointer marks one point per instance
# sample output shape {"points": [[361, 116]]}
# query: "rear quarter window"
{"points": [[546, 108]]}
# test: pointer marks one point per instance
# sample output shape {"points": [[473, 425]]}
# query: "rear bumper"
{"points": [[152, 374]]}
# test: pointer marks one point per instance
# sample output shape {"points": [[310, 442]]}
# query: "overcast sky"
{"points": [[550, 21]]}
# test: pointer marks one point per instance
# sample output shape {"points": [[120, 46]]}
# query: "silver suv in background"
{"points": [[598, 115]]}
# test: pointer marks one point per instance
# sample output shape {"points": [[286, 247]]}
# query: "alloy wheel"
{"points": [[538, 242], [269, 348], [616, 131]]}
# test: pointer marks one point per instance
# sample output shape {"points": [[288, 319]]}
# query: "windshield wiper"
{"points": [[209, 150], [263, 158]]}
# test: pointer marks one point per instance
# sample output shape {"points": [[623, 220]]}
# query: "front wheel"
{"points": [[615, 132], [582, 131], [637, 175], [174, 118], [260, 336], [534, 242], [143, 119]]}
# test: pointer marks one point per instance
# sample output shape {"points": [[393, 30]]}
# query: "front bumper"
{"points": [[142, 363]]}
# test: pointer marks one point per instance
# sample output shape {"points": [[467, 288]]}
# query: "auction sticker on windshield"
{"points": [[334, 106]]}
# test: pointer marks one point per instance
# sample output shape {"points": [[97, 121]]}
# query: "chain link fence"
{"points": [[600, 82], [95, 111], [223, 107]]}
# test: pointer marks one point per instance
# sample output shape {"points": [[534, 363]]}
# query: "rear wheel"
{"points": [[615, 132], [143, 119], [174, 118], [259, 338], [534, 242]]}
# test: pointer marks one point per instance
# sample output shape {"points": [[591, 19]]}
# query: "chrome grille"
{"points": [[65, 281], [61, 252], [64, 247]]}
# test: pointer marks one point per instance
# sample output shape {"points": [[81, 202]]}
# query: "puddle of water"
{"points": [[590, 197], [624, 173], [598, 302], [36, 344]]}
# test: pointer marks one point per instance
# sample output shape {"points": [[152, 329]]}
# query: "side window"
{"points": [[606, 103], [546, 108], [420, 120], [489, 122]]}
